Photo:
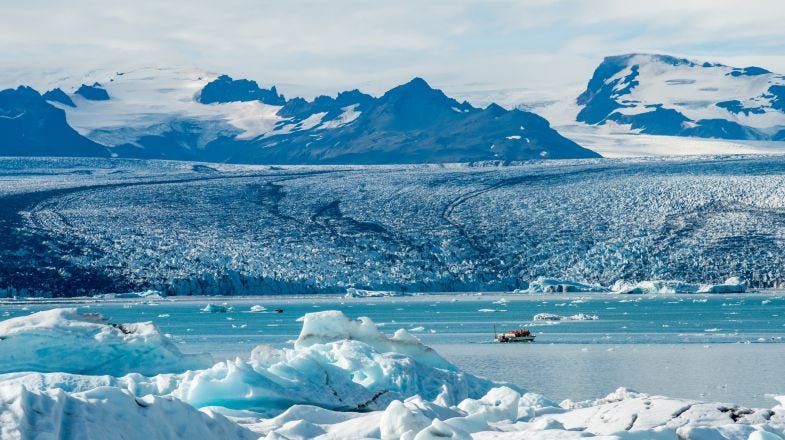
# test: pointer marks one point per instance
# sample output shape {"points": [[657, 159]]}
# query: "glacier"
{"points": [[78, 227], [340, 379]]}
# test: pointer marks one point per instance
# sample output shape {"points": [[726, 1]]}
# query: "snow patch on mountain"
{"points": [[151, 101], [665, 95]]}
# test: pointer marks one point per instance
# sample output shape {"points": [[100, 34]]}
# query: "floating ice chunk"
{"points": [[555, 317], [654, 287], [763, 435], [550, 285], [728, 431], [532, 405], [65, 340], [216, 308], [107, 412], [258, 308], [336, 363], [351, 292], [439, 430], [355, 387], [498, 404], [658, 417], [399, 420], [147, 294], [731, 285]]}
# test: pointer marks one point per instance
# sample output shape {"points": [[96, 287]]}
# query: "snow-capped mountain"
{"points": [[665, 95], [184, 113], [30, 126]]}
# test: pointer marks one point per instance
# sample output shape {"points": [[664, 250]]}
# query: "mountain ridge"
{"points": [[666, 95], [185, 115]]}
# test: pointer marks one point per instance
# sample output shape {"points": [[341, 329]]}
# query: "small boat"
{"points": [[515, 336], [278, 310]]}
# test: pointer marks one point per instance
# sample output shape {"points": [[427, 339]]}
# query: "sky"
{"points": [[312, 47]]}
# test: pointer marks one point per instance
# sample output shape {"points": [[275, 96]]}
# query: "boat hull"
{"points": [[519, 339]]}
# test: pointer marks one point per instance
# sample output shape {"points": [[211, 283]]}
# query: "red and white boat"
{"points": [[515, 336]]}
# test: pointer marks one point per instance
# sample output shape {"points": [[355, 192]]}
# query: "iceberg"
{"points": [[654, 287], [147, 294], [351, 292], [107, 412], [340, 379], [336, 363], [216, 308], [64, 340], [731, 285], [555, 317], [551, 285]]}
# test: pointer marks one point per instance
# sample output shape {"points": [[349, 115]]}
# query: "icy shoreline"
{"points": [[422, 296], [340, 378]]}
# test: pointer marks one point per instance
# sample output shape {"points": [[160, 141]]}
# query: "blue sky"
{"points": [[328, 46]]}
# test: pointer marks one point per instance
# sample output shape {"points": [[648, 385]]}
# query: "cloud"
{"points": [[327, 46]]}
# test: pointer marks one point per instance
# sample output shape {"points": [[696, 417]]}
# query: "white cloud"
{"points": [[310, 46]]}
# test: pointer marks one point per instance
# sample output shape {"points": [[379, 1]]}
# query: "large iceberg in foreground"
{"points": [[342, 378], [104, 413], [335, 363], [64, 340]]}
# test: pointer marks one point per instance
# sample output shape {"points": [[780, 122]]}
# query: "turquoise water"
{"points": [[725, 348]]}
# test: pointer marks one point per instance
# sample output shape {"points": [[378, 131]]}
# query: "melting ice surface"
{"points": [[344, 378]]}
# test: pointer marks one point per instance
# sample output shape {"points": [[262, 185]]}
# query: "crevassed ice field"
{"points": [[89, 225]]}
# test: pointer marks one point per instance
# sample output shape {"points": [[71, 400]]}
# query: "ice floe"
{"points": [[107, 412], [64, 340], [731, 285], [341, 378], [216, 308], [351, 292], [555, 317], [550, 285], [654, 287]]}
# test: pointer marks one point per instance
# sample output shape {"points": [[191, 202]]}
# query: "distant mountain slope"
{"points": [[665, 95], [226, 89], [188, 114], [412, 123], [30, 126]]}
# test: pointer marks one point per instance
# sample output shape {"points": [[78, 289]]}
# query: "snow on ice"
{"points": [[555, 317], [549, 285], [731, 285], [341, 378], [63, 340]]}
